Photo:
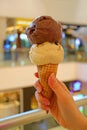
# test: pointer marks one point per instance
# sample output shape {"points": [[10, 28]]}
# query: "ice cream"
{"points": [[46, 51], [44, 29]]}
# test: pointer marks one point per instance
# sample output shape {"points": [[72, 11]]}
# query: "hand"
{"points": [[61, 105]]}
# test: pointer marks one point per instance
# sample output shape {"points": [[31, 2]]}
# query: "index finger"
{"points": [[38, 86], [36, 74]]}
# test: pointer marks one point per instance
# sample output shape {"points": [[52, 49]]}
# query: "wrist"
{"points": [[80, 123]]}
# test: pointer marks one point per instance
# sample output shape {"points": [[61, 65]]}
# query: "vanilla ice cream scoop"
{"points": [[46, 53]]}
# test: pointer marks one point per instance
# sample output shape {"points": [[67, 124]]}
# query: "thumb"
{"points": [[53, 83]]}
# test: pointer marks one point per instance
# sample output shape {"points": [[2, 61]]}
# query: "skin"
{"points": [[61, 106]]}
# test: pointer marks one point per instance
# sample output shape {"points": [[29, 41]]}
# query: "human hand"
{"points": [[61, 105]]}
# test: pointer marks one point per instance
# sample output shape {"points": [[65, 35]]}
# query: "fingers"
{"points": [[52, 81], [57, 86], [38, 86], [44, 107], [36, 75], [42, 101]]}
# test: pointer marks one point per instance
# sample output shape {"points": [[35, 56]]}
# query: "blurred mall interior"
{"points": [[18, 106]]}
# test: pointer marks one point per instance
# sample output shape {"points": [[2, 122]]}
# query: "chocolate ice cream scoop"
{"points": [[44, 29]]}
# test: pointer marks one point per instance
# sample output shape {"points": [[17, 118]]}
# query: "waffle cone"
{"points": [[44, 72]]}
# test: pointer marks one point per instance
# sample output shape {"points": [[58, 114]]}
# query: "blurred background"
{"points": [[16, 70]]}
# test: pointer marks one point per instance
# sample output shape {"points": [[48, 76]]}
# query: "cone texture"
{"points": [[44, 72]]}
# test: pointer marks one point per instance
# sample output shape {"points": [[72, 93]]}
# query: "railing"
{"points": [[22, 118], [30, 116], [81, 102]]}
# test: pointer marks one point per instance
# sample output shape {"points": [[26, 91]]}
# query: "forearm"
{"points": [[80, 123]]}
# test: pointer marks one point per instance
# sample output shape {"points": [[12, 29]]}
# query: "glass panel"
{"points": [[18, 57], [41, 125]]}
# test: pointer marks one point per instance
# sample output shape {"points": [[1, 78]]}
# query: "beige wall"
{"points": [[20, 77], [73, 11], [22, 8], [67, 71]]}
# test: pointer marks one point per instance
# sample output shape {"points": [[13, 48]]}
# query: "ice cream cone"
{"points": [[46, 51], [44, 72]]}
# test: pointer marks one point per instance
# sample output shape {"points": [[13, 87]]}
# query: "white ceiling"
{"points": [[71, 11]]}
